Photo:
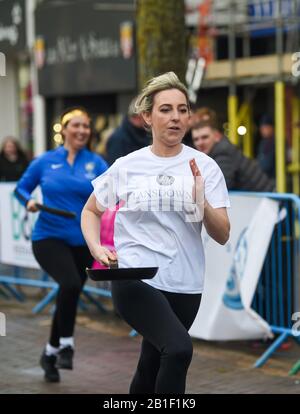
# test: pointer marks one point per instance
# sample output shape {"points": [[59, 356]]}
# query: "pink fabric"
{"points": [[107, 233]]}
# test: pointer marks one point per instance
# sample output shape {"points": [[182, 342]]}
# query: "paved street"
{"points": [[106, 357]]}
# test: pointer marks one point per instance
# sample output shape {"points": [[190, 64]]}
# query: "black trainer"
{"points": [[65, 358], [48, 364]]}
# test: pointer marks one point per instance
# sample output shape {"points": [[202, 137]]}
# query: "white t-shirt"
{"points": [[157, 225]]}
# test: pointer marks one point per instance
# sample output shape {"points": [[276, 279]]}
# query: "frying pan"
{"points": [[64, 213], [134, 273], [43, 207]]}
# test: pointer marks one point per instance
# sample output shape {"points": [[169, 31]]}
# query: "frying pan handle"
{"points": [[58, 212], [113, 264]]}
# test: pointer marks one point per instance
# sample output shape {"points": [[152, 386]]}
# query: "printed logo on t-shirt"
{"points": [[155, 193], [165, 179]]}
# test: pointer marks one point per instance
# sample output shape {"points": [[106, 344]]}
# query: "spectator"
{"points": [[240, 172], [13, 161], [128, 137], [266, 147]]}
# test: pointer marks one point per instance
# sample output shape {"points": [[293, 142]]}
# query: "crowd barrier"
{"points": [[10, 282], [277, 294], [276, 297], [15, 250]]}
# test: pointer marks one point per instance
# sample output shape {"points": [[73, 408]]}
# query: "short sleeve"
{"points": [[106, 187], [101, 165], [216, 192]]}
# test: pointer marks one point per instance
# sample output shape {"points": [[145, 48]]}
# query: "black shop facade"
{"points": [[85, 54]]}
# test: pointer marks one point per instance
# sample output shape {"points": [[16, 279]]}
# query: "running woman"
{"points": [[64, 175], [169, 191]]}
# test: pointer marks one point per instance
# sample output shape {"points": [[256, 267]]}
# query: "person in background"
{"points": [[240, 172], [64, 176], [266, 147], [128, 137], [13, 160]]}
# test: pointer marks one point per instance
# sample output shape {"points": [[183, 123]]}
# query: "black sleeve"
{"points": [[251, 177]]}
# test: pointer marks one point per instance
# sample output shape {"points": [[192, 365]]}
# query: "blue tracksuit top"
{"points": [[63, 186]]}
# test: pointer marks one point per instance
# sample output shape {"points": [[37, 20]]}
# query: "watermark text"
{"points": [[2, 64], [296, 325], [2, 324]]}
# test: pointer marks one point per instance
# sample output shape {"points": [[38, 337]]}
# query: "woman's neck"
{"points": [[72, 152], [165, 151], [11, 157]]}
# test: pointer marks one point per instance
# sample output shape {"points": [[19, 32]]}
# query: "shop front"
{"points": [[85, 54]]}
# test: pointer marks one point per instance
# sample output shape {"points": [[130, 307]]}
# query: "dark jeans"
{"points": [[163, 319], [66, 264]]}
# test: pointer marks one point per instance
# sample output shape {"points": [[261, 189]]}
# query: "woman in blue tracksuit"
{"points": [[64, 176]]}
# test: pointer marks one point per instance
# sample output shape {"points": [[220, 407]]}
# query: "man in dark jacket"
{"points": [[241, 173], [128, 137], [266, 147]]}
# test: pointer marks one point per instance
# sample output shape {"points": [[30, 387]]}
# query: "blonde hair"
{"points": [[168, 80], [72, 114]]}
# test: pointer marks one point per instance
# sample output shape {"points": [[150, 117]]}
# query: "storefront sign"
{"points": [[268, 11], [85, 47]]}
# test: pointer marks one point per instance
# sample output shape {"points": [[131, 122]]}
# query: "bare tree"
{"points": [[161, 38]]}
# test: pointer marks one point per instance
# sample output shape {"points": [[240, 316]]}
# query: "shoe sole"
{"points": [[49, 379], [62, 366]]}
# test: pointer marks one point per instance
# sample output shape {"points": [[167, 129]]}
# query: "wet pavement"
{"points": [[106, 357]]}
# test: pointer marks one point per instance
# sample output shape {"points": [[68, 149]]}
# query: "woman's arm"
{"points": [[90, 226], [28, 182], [216, 223], [215, 220]]}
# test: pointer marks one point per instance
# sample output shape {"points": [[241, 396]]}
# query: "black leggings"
{"points": [[66, 264], [163, 319]]}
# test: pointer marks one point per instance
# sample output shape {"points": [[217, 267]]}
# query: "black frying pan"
{"points": [[58, 212], [43, 207], [134, 273]]}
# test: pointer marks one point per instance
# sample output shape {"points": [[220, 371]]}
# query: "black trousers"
{"points": [[163, 319], [66, 265]]}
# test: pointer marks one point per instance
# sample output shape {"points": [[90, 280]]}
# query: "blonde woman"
{"points": [[168, 191]]}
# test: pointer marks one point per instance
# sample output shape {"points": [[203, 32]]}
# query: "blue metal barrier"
{"points": [[11, 289], [10, 281], [277, 295]]}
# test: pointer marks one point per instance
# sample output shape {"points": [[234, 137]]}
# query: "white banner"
{"points": [[232, 273], [15, 230]]}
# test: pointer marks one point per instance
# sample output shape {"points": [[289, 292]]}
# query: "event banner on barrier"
{"points": [[15, 230], [232, 273]]}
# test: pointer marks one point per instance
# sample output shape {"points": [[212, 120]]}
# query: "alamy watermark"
{"points": [[2, 64], [296, 64], [296, 325], [2, 324], [162, 192]]}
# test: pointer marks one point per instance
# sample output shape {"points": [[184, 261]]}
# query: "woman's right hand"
{"points": [[102, 255], [31, 206]]}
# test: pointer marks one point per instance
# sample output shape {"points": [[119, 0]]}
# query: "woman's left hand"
{"points": [[198, 188]]}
